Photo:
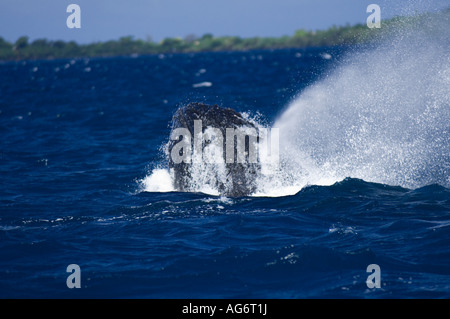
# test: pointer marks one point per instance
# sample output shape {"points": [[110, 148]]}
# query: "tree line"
{"points": [[22, 48]]}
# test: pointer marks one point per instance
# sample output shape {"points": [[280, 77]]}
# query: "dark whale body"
{"points": [[240, 177]]}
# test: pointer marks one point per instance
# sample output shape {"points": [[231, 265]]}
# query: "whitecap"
{"points": [[200, 72], [202, 84], [158, 181]]}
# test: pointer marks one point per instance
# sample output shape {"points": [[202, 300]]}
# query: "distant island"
{"points": [[22, 49]]}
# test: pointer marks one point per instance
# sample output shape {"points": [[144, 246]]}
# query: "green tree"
{"points": [[21, 43]]}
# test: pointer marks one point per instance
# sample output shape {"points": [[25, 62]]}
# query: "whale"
{"points": [[234, 170]]}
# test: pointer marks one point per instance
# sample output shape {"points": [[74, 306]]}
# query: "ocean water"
{"points": [[363, 176]]}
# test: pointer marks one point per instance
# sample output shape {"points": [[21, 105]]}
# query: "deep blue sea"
{"points": [[78, 137]]}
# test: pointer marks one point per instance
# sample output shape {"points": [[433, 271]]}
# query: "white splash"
{"points": [[158, 181], [382, 116]]}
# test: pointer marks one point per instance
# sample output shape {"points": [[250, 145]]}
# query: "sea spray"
{"points": [[382, 116]]}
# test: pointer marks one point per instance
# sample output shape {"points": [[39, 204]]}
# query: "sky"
{"points": [[103, 20]]}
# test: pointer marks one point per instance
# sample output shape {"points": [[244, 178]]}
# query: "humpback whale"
{"points": [[236, 165]]}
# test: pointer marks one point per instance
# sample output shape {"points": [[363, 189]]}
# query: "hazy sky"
{"points": [[110, 19]]}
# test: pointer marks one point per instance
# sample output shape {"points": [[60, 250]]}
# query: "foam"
{"points": [[159, 180]]}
